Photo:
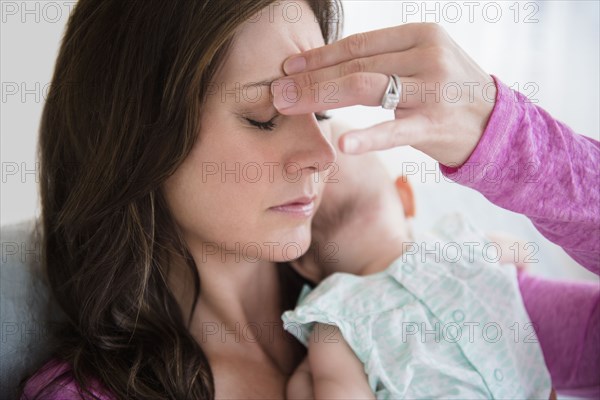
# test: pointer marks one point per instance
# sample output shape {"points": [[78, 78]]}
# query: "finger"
{"points": [[364, 89], [409, 131], [404, 63], [387, 40], [355, 89]]}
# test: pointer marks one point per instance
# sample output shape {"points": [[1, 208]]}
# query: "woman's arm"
{"points": [[530, 163], [337, 372], [566, 319]]}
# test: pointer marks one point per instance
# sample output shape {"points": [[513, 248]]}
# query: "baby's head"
{"points": [[362, 220]]}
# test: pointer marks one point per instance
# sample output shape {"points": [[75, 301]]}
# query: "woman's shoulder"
{"points": [[55, 381]]}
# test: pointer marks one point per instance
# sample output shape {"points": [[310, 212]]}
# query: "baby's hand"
{"points": [[300, 384], [513, 249]]}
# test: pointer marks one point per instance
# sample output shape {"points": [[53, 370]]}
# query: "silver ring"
{"points": [[391, 98]]}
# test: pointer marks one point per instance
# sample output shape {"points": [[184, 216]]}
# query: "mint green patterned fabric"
{"points": [[447, 323]]}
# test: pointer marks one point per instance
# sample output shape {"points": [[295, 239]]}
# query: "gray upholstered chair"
{"points": [[26, 309]]}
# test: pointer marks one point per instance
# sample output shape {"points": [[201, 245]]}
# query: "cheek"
{"points": [[214, 201], [336, 255]]}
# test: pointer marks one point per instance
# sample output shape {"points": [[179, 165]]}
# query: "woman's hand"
{"points": [[446, 97]]}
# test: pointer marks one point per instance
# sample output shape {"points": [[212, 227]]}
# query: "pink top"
{"points": [[66, 389], [551, 175], [566, 319]]}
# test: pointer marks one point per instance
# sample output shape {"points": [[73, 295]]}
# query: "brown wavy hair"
{"points": [[122, 114]]}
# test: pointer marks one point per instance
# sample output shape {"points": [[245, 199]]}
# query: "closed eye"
{"points": [[322, 117], [271, 125], [263, 126]]}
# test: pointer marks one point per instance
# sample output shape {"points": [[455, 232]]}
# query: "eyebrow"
{"points": [[266, 82]]}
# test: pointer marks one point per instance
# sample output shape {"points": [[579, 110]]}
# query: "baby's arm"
{"points": [[512, 248], [300, 385], [337, 372]]}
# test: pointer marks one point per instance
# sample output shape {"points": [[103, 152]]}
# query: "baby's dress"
{"points": [[439, 322]]}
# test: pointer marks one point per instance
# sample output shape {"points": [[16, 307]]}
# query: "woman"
{"points": [[139, 227], [172, 200]]}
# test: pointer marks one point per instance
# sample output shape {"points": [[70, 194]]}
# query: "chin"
{"points": [[291, 246]]}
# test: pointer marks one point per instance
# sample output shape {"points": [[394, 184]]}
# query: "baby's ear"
{"points": [[405, 192]]}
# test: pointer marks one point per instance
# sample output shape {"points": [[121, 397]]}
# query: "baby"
{"points": [[390, 319]]}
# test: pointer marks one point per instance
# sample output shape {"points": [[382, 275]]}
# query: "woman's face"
{"points": [[225, 194]]}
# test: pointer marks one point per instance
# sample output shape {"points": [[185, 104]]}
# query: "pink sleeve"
{"points": [[65, 389], [532, 164], [566, 319]]}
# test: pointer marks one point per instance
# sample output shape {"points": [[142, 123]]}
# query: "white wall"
{"points": [[30, 33]]}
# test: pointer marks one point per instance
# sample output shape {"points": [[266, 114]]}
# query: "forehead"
{"points": [[264, 41]]}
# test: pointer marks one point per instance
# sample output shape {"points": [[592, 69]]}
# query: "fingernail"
{"points": [[294, 65], [285, 93], [351, 144]]}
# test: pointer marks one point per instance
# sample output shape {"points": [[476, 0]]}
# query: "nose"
{"points": [[309, 147]]}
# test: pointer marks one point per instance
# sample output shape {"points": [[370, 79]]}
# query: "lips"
{"points": [[301, 206]]}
